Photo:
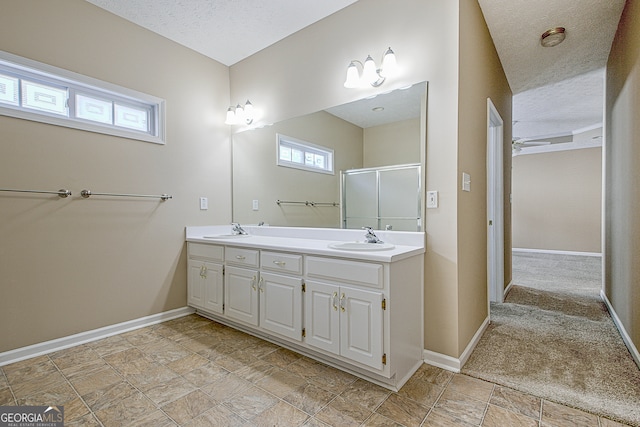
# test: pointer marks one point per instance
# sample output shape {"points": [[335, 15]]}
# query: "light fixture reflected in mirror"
{"points": [[371, 75], [240, 115]]}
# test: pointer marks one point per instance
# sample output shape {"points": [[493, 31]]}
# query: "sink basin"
{"points": [[226, 236], [361, 246]]}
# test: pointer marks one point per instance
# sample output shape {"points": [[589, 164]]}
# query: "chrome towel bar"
{"points": [[62, 193], [87, 193], [307, 203]]}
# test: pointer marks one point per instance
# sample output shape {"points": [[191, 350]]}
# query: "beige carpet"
{"points": [[560, 346]]}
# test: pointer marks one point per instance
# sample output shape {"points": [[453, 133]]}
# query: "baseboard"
{"points": [[451, 363], [623, 332], [39, 349], [551, 251], [507, 289]]}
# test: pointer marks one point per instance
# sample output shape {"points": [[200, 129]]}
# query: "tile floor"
{"points": [[195, 372]]}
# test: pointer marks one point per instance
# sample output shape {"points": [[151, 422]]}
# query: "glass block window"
{"points": [[295, 153], [39, 92]]}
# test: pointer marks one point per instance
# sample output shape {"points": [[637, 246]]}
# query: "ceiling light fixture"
{"points": [[371, 75], [239, 115], [552, 37]]}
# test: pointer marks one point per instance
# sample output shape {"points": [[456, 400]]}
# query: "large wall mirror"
{"points": [[375, 132]]}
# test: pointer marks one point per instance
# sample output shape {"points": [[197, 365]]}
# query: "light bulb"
{"points": [[369, 73], [231, 117], [353, 77], [240, 116], [389, 65]]}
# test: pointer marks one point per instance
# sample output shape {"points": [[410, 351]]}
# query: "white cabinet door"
{"points": [[322, 316], [213, 287], [241, 294], [281, 304], [361, 326], [195, 284]]}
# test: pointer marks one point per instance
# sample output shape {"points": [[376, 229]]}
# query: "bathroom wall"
{"points": [[622, 175], [392, 144], [427, 37], [71, 265], [557, 200]]}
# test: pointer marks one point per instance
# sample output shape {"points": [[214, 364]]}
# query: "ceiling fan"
{"points": [[519, 143]]}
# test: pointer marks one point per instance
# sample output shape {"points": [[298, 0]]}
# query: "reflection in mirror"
{"points": [[370, 133]]}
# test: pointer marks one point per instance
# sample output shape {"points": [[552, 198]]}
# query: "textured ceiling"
{"points": [[556, 90], [225, 30]]}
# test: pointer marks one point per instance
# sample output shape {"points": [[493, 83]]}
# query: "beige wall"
{"points": [[257, 177], [425, 36], [481, 77], [395, 143], [71, 265], [557, 200], [622, 176]]}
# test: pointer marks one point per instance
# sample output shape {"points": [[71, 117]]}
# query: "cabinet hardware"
{"points": [[384, 359], [253, 283], [260, 284], [304, 288], [333, 300], [342, 302], [240, 257], [280, 263], [304, 332], [384, 303]]}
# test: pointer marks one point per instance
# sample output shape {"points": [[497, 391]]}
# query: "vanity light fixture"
{"points": [[552, 37], [240, 115], [371, 75]]}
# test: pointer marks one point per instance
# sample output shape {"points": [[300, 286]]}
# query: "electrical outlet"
{"points": [[255, 205], [204, 203], [466, 182], [432, 199]]}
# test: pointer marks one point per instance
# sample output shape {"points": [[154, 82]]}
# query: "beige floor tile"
{"points": [[554, 414], [340, 412], [206, 374], [439, 418], [332, 379], [280, 415], [228, 387], [516, 401], [126, 411], [256, 372], [96, 381], [235, 361], [314, 422], [129, 362], [85, 369], [110, 345], [500, 417], [156, 418], [37, 384], [473, 387], [402, 410], [80, 355], [88, 420], [164, 351], [281, 358], [103, 397], [6, 397], [421, 390], [281, 383], [433, 375], [154, 376], [23, 371], [461, 406], [604, 422], [189, 407], [169, 391], [251, 402], [3, 379], [188, 363], [54, 396], [219, 415], [309, 398], [75, 409], [141, 337], [365, 394], [377, 420]]}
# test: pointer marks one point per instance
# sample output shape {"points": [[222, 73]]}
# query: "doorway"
{"points": [[495, 204]]}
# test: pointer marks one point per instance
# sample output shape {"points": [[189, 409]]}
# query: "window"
{"points": [[43, 93], [295, 153]]}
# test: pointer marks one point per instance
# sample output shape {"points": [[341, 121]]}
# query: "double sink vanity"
{"points": [[324, 293]]}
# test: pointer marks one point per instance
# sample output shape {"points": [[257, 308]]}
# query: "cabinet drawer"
{"points": [[277, 261], [359, 273], [241, 256], [198, 250]]}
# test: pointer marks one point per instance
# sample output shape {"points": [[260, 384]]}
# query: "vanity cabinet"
{"points": [[241, 294], [205, 277]]}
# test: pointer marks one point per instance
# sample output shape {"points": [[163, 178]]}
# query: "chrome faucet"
{"points": [[370, 236], [237, 229]]}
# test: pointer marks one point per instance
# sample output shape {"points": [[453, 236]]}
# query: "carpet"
{"points": [[562, 347]]}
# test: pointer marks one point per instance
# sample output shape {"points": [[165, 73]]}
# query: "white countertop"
{"points": [[312, 241]]}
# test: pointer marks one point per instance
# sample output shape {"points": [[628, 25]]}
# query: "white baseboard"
{"points": [[507, 289], [39, 349], [623, 332], [551, 251], [451, 363]]}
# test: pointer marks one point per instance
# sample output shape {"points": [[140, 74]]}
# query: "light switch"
{"points": [[432, 199], [466, 182], [255, 205], [204, 203]]}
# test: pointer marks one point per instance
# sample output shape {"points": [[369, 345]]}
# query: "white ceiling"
{"points": [[556, 90]]}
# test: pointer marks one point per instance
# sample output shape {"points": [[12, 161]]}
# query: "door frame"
{"points": [[495, 204]]}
